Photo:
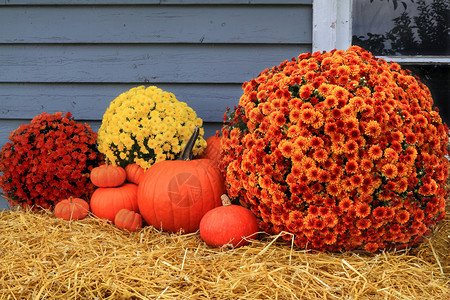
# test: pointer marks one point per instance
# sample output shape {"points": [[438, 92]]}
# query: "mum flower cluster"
{"points": [[341, 149], [48, 160], [145, 126]]}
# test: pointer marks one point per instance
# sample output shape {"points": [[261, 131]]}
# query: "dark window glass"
{"points": [[437, 79], [402, 27]]}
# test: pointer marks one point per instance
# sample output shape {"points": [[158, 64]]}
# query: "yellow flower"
{"points": [[166, 147], [151, 143]]}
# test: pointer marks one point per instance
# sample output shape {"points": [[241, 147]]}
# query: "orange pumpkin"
{"points": [[134, 173], [106, 202], [108, 176], [71, 209], [228, 225], [212, 150], [173, 195], [128, 219]]}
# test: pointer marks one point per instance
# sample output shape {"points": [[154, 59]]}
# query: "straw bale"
{"points": [[42, 256]]}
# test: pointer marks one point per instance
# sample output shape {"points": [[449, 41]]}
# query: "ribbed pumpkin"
{"points": [[71, 209], [174, 195], [128, 219], [212, 150], [134, 173], [108, 176], [106, 202], [228, 225]]}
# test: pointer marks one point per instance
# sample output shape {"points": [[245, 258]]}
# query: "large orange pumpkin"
{"points": [[106, 202], [173, 195]]}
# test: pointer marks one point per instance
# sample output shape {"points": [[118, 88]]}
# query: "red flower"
{"points": [[319, 224], [356, 180], [371, 247], [362, 210], [363, 224], [351, 167], [379, 213], [346, 204], [402, 216]]}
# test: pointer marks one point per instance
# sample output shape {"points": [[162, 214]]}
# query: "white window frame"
{"points": [[332, 29]]}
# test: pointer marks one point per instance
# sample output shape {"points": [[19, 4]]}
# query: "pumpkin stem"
{"points": [[186, 154], [225, 200]]}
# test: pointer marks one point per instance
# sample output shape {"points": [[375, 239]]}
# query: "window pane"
{"points": [[437, 79], [402, 27]]}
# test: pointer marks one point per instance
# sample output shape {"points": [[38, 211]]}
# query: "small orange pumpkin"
{"points": [[228, 225], [108, 176], [106, 202], [128, 219], [212, 150], [134, 173], [71, 209]]}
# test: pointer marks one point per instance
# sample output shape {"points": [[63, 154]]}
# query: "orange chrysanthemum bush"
{"points": [[339, 149]]}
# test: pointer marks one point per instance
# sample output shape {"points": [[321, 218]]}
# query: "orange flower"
{"points": [[362, 210], [330, 221], [356, 180], [375, 152], [301, 143], [363, 224], [402, 216], [325, 89], [313, 210], [329, 239], [371, 247], [379, 213], [320, 155], [351, 167], [306, 91], [313, 174], [308, 115], [286, 148], [373, 129], [351, 146], [295, 115], [333, 189], [308, 163], [391, 155], [389, 170], [316, 142]]}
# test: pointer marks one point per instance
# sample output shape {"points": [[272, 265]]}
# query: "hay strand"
{"points": [[45, 257]]}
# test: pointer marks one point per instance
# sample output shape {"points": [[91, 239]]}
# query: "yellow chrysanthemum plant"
{"points": [[146, 125]]}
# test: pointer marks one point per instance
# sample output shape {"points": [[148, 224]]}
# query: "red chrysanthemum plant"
{"points": [[341, 149], [48, 160]]}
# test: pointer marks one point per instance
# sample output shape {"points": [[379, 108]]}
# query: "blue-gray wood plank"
{"points": [[210, 63], [89, 101], [156, 24], [163, 2]]}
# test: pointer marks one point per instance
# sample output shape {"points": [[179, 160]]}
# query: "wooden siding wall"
{"points": [[79, 55]]}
